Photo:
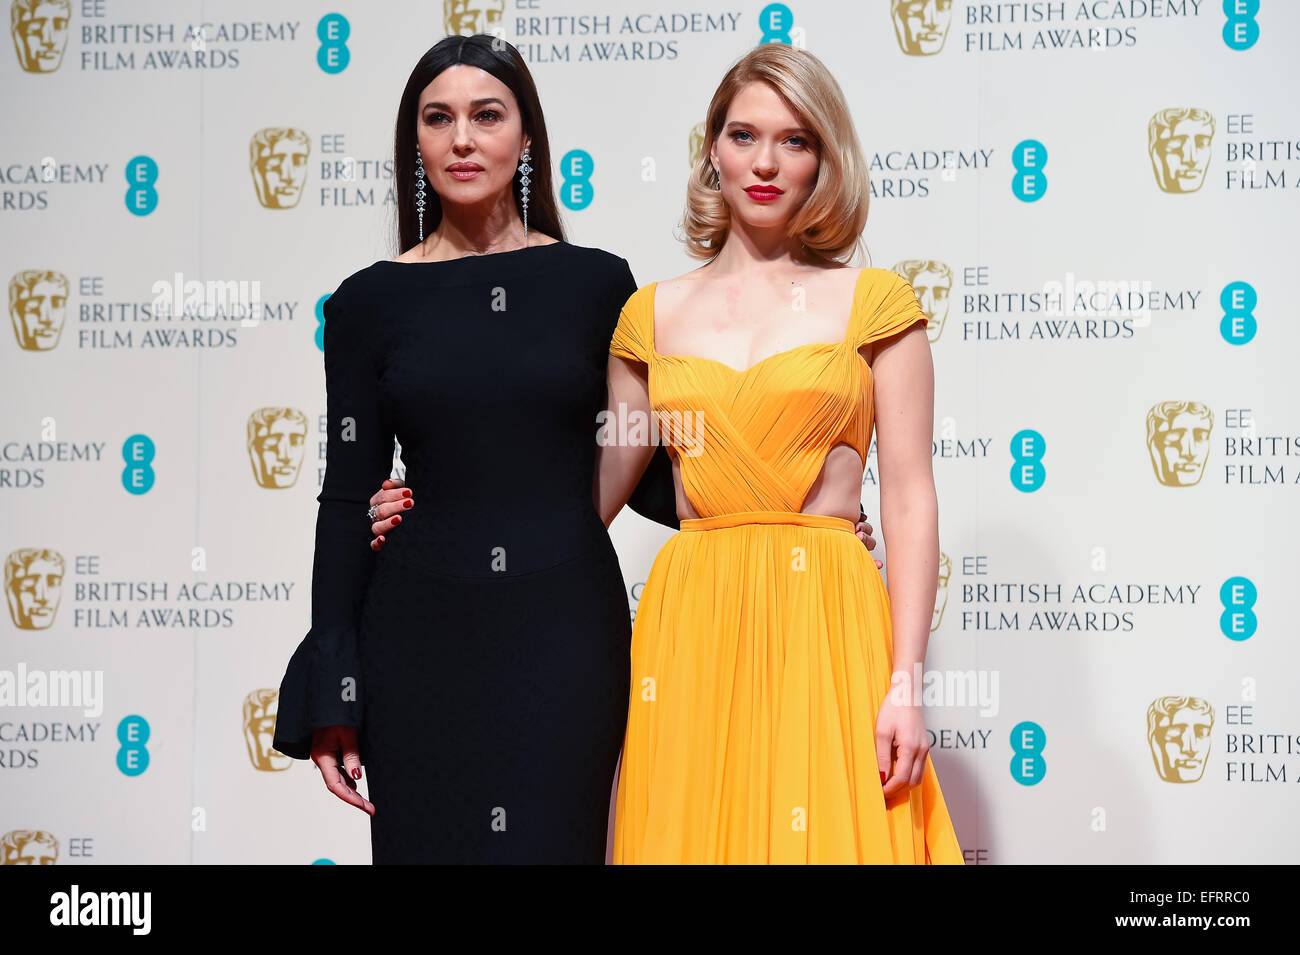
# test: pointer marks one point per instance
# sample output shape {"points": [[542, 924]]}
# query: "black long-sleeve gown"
{"points": [[483, 652]]}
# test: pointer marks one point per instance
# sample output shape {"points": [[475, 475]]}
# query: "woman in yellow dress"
{"points": [[771, 710]]}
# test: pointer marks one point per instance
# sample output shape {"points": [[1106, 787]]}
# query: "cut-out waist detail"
{"points": [[767, 517]]}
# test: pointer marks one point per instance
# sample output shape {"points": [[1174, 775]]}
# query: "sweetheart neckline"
{"points": [[761, 361], [846, 340]]}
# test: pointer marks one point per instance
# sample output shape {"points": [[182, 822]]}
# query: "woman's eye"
{"points": [[738, 133], [491, 114], [433, 118], [798, 141]]}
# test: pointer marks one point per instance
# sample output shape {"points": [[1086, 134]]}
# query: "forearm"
{"points": [[625, 442], [618, 469], [910, 523]]}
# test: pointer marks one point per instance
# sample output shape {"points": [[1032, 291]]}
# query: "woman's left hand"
{"points": [[864, 534], [901, 742]]}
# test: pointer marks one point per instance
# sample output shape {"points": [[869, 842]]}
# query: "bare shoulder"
{"points": [[673, 291], [833, 285], [847, 277]]}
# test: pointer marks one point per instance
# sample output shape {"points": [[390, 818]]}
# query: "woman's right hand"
{"points": [[392, 497], [329, 743]]}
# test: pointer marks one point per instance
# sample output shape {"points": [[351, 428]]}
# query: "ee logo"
{"points": [[132, 756]]}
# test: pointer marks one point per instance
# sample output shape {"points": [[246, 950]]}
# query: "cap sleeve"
{"points": [[887, 305], [632, 334]]}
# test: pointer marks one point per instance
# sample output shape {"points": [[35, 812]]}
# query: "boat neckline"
{"points": [[479, 258]]}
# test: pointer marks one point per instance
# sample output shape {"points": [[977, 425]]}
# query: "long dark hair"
{"points": [[499, 58]]}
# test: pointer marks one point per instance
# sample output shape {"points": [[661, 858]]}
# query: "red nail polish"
{"points": [[406, 492], [408, 503], [397, 520], [356, 774], [882, 777]]}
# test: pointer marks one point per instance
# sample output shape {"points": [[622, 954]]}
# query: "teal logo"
{"points": [[1238, 620], [1030, 182], [132, 756], [320, 321], [1027, 743], [1238, 302], [575, 170], [332, 55], [1240, 29], [141, 196], [138, 452], [775, 20], [1027, 450], [323, 861]]}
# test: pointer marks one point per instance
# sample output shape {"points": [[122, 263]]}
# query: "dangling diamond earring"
{"points": [[718, 187], [419, 189], [525, 169]]}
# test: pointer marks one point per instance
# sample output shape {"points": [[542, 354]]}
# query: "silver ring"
{"points": [[374, 510]]}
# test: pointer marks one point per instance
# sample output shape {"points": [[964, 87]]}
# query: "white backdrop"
{"points": [[1095, 201]]}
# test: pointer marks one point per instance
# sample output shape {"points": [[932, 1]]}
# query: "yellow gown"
{"points": [[762, 646]]}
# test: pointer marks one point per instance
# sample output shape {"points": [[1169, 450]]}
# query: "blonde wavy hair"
{"points": [[830, 223]]}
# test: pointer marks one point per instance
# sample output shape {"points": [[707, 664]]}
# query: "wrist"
{"points": [[906, 684], [908, 669]]}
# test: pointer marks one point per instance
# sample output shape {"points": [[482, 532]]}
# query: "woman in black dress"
{"points": [[478, 664]]}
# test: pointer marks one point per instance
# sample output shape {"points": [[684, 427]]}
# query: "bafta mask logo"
{"points": [[277, 438], [932, 283], [1178, 140], [921, 26], [278, 160], [38, 304], [467, 17], [260, 708], [1178, 439], [695, 143], [28, 847], [941, 595], [1178, 729], [33, 586], [40, 31]]}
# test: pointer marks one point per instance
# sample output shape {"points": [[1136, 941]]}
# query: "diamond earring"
{"points": [[419, 189], [524, 170]]}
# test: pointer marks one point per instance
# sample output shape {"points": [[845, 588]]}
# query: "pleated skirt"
{"points": [[761, 653]]}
